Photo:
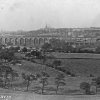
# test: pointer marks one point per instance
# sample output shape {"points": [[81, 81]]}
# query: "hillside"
{"points": [[80, 64], [29, 67]]}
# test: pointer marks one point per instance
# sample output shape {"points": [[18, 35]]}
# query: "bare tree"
{"points": [[28, 79], [43, 80], [59, 81]]}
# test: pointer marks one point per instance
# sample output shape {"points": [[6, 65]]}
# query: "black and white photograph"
{"points": [[49, 49]]}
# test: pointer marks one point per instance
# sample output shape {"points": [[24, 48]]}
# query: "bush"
{"points": [[24, 49], [96, 81], [73, 75], [56, 63], [86, 87], [91, 75]]}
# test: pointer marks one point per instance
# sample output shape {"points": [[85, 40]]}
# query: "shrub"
{"points": [[96, 80], [56, 63], [86, 87]]}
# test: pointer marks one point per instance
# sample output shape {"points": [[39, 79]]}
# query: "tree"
{"points": [[28, 79], [85, 86], [14, 49], [61, 45], [56, 44], [56, 63], [5, 72], [9, 76], [7, 55], [24, 49], [43, 80], [46, 47], [1, 83], [36, 53], [14, 74], [96, 82], [1, 46], [97, 49], [59, 81], [28, 55]]}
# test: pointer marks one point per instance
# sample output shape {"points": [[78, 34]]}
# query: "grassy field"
{"points": [[33, 68], [75, 55], [82, 65], [78, 63], [32, 96], [72, 83]]}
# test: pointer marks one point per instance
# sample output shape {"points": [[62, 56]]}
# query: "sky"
{"points": [[35, 14]]}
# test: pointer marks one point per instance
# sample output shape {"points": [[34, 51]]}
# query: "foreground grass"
{"points": [[31, 96]]}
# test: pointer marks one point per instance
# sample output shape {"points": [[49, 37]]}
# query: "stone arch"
{"points": [[27, 41], [10, 41], [31, 41], [41, 41], [1, 40], [45, 40], [22, 41], [49, 40], [36, 42], [16, 41], [6, 40]]}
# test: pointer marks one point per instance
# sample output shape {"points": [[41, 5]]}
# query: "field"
{"points": [[51, 97], [72, 83], [76, 55], [82, 65]]}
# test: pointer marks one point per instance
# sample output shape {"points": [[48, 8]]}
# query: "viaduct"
{"points": [[38, 39]]}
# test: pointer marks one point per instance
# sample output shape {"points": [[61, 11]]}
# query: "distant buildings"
{"points": [[75, 36]]}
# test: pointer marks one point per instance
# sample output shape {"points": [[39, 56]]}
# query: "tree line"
{"points": [[57, 45]]}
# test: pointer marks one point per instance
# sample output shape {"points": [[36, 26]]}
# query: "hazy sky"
{"points": [[34, 14]]}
